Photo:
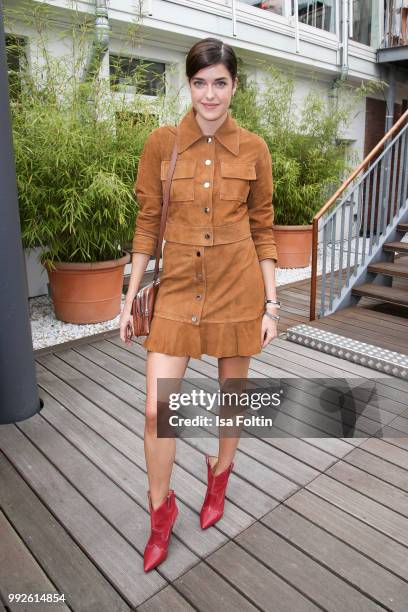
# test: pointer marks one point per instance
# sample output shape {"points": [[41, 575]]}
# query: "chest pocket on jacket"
{"points": [[182, 184], [235, 177]]}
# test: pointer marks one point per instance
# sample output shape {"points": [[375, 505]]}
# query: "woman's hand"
{"points": [[269, 330], [126, 322]]}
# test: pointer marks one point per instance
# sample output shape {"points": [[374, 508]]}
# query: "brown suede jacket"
{"points": [[221, 190]]}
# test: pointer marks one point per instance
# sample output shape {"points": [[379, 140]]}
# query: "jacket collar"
{"points": [[190, 131]]}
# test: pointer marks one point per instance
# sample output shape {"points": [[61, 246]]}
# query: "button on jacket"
{"points": [[219, 226]]}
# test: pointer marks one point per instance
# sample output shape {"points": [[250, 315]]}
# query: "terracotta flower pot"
{"points": [[294, 245], [87, 292]]}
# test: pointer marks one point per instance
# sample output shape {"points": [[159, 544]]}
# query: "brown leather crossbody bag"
{"points": [[143, 303]]}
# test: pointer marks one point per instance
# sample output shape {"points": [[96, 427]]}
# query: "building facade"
{"points": [[321, 41]]}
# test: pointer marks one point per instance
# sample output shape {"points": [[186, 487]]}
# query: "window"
{"points": [[363, 13], [15, 57], [135, 75], [274, 6], [318, 13]]}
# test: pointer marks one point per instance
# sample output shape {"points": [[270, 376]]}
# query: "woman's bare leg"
{"points": [[159, 452], [228, 367]]}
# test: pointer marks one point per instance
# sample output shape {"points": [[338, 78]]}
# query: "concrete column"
{"points": [[19, 398]]}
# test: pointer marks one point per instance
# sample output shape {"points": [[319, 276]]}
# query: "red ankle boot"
{"points": [[162, 520], [213, 506]]}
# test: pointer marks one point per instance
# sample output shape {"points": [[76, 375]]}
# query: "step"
{"points": [[385, 294], [401, 247], [368, 355], [402, 227], [390, 268]]}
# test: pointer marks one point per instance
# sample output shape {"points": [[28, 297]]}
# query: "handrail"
{"points": [[363, 165]]}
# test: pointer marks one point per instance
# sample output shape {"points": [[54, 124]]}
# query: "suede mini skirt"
{"points": [[210, 301]]}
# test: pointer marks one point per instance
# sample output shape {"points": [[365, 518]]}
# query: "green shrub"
{"points": [[77, 144]]}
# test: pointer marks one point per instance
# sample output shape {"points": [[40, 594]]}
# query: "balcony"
{"points": [[394, 46]]}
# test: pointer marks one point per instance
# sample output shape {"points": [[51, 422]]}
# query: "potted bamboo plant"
{"points": [[77, 144]]}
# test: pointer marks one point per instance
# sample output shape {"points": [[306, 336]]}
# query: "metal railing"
{"points": [[350, 229]]}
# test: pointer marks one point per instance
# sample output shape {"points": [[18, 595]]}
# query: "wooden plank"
{"points": [[387, 386], [240, 491], [393, 437], [295, 447], [112, 554], [189, 490], [258, 449], [346, 368], [383, 410], [106, 479], [104, 438], [290, 468], [205, 590], [388, 452], [377, 408], [263, 587], [352, 531], [302, 450], [389, 268], [396, 246], [319, 369], [393, 474], [369, 511], [280, 462], [371, 486], [166, 599], [266, 479], [364, 574], [296, 353], [401, 424], [290, 427], [59, 554], [294, 296], [303, 572], [293, 304], [20, 574], [370, 319], [289, 368], [363, 335], [326, 425], [385, 294]]}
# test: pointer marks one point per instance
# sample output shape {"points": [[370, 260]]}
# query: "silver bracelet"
{"points": [[271, 316], [277, 303]]}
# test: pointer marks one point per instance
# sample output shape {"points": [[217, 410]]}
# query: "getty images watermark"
{"points": [[273, 407], [240, 401]]}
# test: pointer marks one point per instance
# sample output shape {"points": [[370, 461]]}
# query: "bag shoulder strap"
{"points": [[166, 198]]}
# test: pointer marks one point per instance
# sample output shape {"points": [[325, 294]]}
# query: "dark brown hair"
{"points": [[210, 51]]}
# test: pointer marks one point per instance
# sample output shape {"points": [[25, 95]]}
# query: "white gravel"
{"points": [[47, 330]]}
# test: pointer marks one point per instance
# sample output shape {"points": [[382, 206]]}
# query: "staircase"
{"points": [[359, 241], [392, 269]]}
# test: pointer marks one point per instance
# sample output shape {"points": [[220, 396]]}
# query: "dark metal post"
{"points": [[19, 398]]}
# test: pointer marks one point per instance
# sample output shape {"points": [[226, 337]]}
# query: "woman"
{"points": [[218, 266]]}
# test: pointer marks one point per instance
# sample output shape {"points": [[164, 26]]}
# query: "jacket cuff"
{"points": [[266, 251], [144, 244]]}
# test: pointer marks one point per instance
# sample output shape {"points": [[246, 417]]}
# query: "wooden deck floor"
{"points": [[383, 325], [317, 523]]}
